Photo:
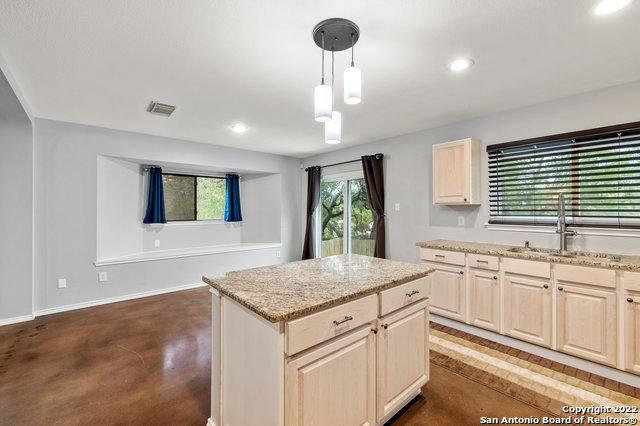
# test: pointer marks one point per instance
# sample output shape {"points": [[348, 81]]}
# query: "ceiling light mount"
{"points": [[338, 34]]}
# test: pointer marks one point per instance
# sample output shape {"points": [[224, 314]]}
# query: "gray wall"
{"points": [[66, 212], [16, 194], [408, 171]]}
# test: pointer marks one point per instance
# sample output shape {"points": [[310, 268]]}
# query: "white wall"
{"points": [[16, 194], [67, 160], [408, 171]]}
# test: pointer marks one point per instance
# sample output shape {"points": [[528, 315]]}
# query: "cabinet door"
{"points": [[403, 357], [485, 299], [632, 338], [587, 323], [448, 292], [451, 172], [527, 309], [334, 384]]}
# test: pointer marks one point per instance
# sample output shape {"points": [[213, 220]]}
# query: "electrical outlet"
{"points": [[102, 277], [460, 220], [156, 243], [278, 253], [397, 207], [62, 283]]}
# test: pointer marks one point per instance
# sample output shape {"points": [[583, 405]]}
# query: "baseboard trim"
{"points": [[82, 305], [16, 320], [562, 358]]}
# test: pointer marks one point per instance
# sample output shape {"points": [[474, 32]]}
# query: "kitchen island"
{"points": [[341, 340]]}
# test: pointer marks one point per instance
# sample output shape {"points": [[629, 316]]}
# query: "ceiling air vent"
{"points": [[160, 109]]}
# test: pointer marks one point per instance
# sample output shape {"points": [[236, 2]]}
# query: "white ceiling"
{"points": [[100, 62]]}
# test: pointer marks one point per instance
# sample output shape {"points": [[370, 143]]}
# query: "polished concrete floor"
{"points": [[147, 361]]}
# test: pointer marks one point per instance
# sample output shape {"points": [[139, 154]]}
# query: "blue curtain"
{"points": [[232, 211], [155, 203]]}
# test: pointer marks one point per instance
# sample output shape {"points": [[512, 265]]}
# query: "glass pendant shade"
{"points": [[333, 129], [352, 85], [323, 103]]}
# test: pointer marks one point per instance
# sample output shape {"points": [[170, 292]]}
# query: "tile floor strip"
{"points": [[521, 375]]}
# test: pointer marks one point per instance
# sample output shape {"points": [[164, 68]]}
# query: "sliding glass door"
{"points": [[345, 217]]}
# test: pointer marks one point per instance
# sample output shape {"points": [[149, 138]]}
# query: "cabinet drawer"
{"points": [[583, 275], [442, 256], [302, 333], [527, 267], [483, 262], [632, 281], [403, 295]]}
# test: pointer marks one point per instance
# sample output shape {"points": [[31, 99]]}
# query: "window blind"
{"points": [[598, 170]]}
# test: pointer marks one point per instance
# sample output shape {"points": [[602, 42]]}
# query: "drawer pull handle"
{"points": [[482, 261], [346, 318], [412, 293], [546, 286], [441, 256], [630, 300]]}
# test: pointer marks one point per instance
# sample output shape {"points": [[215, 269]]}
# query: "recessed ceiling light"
{"points": [[239, 128], [606, 7], [460, 64]]}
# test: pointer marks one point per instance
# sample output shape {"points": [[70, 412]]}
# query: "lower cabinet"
{"points": [[527, 309], [403, 357], [632, 327], [586, 321], [448, 292], [334, 384], [485, 299]]}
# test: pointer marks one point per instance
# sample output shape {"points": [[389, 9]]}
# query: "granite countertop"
{"points": [[622, 262], [291, 290]]}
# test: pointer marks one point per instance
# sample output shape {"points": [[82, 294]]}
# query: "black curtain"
{"points": [[313, 199], [374, 178]]}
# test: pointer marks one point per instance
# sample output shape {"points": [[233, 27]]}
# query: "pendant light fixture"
{"points": [[352, 82], [322, 96], [333, 127], [340, 34]]}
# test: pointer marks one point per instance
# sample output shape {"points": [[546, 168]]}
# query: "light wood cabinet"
{"points": [[632, 338], [456, 172], [485, 299], [448, 292], [586, 321], [527, 309], [402, 357], [334, 384]]}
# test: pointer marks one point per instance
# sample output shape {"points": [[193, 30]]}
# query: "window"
{"points": [[189, 197], [598, 171], [350, 229]]}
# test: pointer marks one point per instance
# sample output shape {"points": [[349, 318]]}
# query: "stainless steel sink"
{"points": [[567, 254]]}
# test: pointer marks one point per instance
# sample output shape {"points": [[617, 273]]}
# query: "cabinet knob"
{"points": [[464, 199], [560, 289], [546, 286], [385, 326], [495, 277], [630, 300], [461, 272]]}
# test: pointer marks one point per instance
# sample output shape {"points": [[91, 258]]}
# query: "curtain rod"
{"points": [[167, 171], [343, 162]]}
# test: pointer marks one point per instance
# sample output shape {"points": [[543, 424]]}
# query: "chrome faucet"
{"points": [[561, 227]]}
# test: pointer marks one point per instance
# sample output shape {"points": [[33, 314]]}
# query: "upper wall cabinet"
{"points": [[456, 172]]}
